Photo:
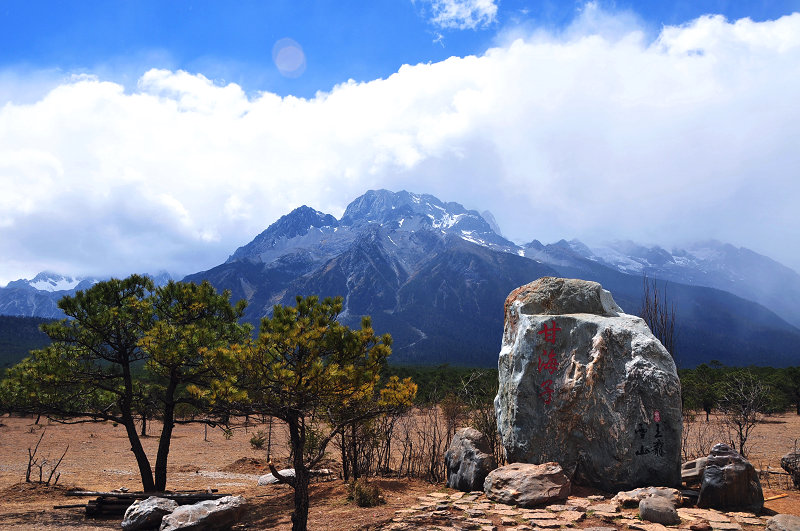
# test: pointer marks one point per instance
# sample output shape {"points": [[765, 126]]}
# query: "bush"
{"points": [[365, 494], [258, 439]]}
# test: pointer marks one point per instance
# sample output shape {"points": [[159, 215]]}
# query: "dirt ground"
{"points": [[99, 459]]}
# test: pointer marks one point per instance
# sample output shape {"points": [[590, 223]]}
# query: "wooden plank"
{"points": [[145, 495], [775, 497]]}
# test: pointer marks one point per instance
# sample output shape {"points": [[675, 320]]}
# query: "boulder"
{"points": [[632, 498], [730, 482], [658, 510], [468, 460], [147, 514], [587, 386], [527, 485], [791, 464], [783, 522], [209, 514]]}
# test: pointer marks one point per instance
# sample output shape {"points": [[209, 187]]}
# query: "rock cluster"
{"points": [[166, 515], [587, 386], [208, 514]]}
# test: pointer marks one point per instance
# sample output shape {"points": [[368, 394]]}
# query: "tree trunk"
{"points": [[145, 471], [345, 461], [144, 425], [297, 436], [355, 465], [166, 436]]}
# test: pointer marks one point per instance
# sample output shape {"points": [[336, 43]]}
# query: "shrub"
{"points": [[365, 494], [258, 439]]}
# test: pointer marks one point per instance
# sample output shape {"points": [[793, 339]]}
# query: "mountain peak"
{"points": [[298, 222]]}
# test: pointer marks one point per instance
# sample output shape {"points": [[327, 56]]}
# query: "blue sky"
{"points": [[232, 42], [142, 135]]}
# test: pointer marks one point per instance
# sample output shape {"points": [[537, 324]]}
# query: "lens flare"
{"points": [[289, 58]]}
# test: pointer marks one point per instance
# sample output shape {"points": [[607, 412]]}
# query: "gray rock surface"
{"points": [[208, 514], [147, 513], [791, 464], [269, 479], [527, 485], [730, 482], [783, 522], [658, 510], [632, 498], [587, 386], [468, 460]]}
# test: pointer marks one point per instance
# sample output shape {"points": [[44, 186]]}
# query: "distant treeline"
{"points": [[18, 336], [702, 387]]}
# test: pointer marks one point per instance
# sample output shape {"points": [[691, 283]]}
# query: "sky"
{"points": [[142, 136]]}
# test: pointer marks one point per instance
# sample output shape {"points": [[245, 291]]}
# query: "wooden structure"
{"points": [[116, 503]]}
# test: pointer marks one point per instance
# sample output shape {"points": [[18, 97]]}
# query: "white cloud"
{"points": [[462, 14], [593, 133]]}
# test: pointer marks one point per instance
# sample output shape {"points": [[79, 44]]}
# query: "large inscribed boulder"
{"points": [[587, 386]]}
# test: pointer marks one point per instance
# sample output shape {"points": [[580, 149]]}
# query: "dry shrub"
{"points": [[364, 493]]}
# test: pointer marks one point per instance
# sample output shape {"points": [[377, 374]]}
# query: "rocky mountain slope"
{"points": [[435, 275]]}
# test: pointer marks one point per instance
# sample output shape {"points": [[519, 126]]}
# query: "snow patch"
{"points": [[55, 284]]}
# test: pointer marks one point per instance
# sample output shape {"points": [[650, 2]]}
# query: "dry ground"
{"points": [[99, 459]]}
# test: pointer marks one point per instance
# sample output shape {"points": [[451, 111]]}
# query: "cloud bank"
{"points": [[592, 134]]}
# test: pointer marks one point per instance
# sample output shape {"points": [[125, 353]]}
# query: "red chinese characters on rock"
{"points": [[548, 361], [550, 333]]}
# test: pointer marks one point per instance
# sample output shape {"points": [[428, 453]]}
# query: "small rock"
{"points": [[595, 497], [659, 510], [701, 526], [558, 508], [549, 524], [725, 526], [580, 503], [604, 508], [632, 498], [647, 527], [783, 522], [572, 516]]}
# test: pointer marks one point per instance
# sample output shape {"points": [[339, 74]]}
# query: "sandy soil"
{"points": [[99, 459]]}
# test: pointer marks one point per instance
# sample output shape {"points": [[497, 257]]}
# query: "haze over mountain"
{"points": [[435, 275]]}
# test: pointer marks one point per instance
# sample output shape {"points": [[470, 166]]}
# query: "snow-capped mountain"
{"points": [[710, 263], [435, 275], [39, 296]]}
